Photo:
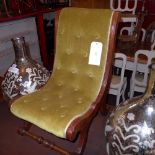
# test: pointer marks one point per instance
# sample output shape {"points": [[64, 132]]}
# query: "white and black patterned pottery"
{"points": [[25, 75], [130, 129]]}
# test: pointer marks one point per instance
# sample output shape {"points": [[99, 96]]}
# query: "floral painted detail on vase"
{"points": [[130, 129], [25, 75]]}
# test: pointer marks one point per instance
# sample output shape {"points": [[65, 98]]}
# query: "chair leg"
{"points": [[24, 131], [131, 92], [118, 99], [123, 94], [82, 142]]}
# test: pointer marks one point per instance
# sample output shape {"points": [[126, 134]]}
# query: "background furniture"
{"points": [[140, 73], [90, 3], [143, 5], [130, 25], [128, 13], [119, 82], [78, 86], [117, 5]]}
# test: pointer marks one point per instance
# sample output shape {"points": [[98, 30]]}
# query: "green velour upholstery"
{"points": [[74, 84]]}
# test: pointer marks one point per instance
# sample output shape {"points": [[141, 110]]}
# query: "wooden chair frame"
{"points": [[80, 125]]}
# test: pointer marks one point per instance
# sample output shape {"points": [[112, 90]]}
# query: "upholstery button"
{"points": [[76, 88], [60, 96], [85, 55], [78, 36], [74, 70], [79, 100], [62, 106], [90, 74], [58, 67], [60, 83], [62, 31], [62, 115], [43, 108], [69, 51], [98, 36], [45, 99], [57, 110], [25, 101]]}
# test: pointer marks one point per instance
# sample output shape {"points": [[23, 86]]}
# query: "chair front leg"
{"points": [[82, 141]]}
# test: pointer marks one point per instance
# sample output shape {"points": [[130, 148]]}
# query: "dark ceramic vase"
{"points": [[130, 129], [25, 75]]}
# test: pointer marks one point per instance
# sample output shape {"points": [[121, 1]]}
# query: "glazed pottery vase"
{"points": [[25, 75], [130, 129]]}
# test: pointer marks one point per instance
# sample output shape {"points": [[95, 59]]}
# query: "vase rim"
{"points": [[17, 38]]}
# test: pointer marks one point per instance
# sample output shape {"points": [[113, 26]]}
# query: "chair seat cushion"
{"points": [[53, 109], [139, 77], [74, 84], [116, 82]]}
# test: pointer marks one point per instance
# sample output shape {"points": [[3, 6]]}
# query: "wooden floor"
{"points": [[13, 144]]}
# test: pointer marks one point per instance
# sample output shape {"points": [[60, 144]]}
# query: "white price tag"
{"points": [[95, 53], [13, 69]]}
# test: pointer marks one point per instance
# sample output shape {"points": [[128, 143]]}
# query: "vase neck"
{"points": [[21, 51], [150, 88]]}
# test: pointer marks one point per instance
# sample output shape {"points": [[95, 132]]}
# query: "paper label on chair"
{"points": [[95, 53]]}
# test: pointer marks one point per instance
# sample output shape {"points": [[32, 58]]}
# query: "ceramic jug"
{"points": [[25, 75], [130, 129]]}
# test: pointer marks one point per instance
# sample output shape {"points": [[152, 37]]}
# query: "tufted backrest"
{"points": [[77, 29]]}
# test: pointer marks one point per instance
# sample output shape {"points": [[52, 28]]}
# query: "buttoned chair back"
{"points": [[66, 105]]}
